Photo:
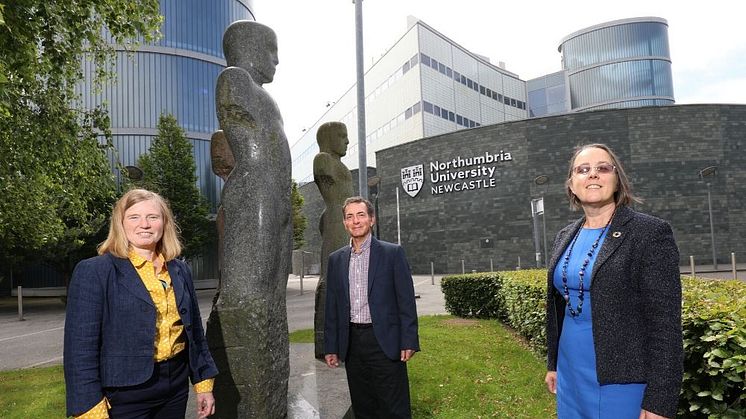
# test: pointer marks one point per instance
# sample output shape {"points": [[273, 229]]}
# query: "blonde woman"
{"points": [[133, 331]]}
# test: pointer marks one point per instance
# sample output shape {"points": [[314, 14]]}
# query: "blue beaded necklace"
{"points": [[581, 273]]}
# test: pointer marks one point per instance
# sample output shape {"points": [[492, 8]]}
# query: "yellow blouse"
{"points": [[169, 333]]}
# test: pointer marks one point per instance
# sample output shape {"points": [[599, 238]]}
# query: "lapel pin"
{"points": [[616, 234]]}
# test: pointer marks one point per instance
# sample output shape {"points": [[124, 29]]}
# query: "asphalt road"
{"points": [[37, 340]]}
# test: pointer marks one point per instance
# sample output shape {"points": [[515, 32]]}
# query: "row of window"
{"points": [[449, 115], [615, 43], [621, 80], [460, 78]]}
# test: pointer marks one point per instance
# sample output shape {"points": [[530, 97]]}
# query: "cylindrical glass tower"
{"points": [[620, 64], [175, 75]]}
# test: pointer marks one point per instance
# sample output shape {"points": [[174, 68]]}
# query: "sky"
{"points": [[316, 42]]}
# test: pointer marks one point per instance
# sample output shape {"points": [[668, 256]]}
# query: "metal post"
{"points": [[463, 271], [691, 263], [535, 219], [361, 144], [544, 228], [20, 303], [491, 269], [519, 263], [432, 273], [398, 221], [302, 269], [733, 262], [712, 228]]}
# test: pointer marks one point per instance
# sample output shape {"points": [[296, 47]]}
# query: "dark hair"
{"points": [[358, 200], [622, 196]]}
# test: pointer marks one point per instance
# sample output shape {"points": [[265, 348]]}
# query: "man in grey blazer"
{"points": [[371, 317]]}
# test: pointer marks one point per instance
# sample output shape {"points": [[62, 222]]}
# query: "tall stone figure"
{"points": [[334, 181], [247, 330]]}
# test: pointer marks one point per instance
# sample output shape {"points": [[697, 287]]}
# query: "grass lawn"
{"points": [[467, 369], [472, 369], [32, 393]]}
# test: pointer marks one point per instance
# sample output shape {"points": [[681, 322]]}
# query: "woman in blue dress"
{"points": [[614, 338]]}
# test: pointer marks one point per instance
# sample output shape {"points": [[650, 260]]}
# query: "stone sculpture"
{"points": [[223, 163], [247, 330], [334, 181]]}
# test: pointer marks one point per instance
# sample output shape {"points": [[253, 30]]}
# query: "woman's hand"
{"points": [[551, 380], [205, 405], [644, 414]]}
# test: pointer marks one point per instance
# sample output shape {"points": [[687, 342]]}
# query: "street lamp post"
{"points": [[710, 171], [361, 145], [539, 181]]}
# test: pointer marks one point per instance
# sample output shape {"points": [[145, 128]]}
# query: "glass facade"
{"points": [[624, 63], [175, 75]]}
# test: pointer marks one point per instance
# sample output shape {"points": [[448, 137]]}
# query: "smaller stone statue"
{"points": [[334, 181]]}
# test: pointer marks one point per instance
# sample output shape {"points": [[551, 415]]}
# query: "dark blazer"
{"points": [[110, 329], [390, 298], [636, 294]]}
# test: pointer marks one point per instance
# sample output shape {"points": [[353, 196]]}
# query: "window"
{"points": [[416, 108], [459, 120], [451, 116], [436, 110], [456, 76], [469, 83], [405, 68], [427, 106], [463, 79], [489, 92], [472, 124], [444, 114], [449, 73], [513, 103], [499, 97], [482, 90], [494, 95], [506, 100], [434, 64], [413, 61], [425, 59], [408, 113], [476, 87], [442, 68]]}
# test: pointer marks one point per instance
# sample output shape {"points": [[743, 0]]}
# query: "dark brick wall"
{"points": [[662, 149]]}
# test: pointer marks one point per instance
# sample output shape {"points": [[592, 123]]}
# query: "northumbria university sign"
{"points": [[455, 175]]}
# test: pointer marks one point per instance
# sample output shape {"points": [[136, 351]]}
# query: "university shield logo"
{"points": [[412, 178]]}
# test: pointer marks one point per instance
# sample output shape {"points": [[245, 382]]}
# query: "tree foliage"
{"points": [[55, 180], [299, 220], [169, 169]]}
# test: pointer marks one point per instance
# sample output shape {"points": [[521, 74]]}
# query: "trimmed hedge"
{"points": [[713, 320]]}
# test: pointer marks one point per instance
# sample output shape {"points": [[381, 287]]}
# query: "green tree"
{"points": [[55, 181], [169, 169], [299, 220]]}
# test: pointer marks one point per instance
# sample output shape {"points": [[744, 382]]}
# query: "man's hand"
{"points": [[205, 405], [406, 354], [332, 361], [551, 380]]}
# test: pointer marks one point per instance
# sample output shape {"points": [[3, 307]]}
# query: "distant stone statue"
{"points": [[334, 181], [247, 330]]}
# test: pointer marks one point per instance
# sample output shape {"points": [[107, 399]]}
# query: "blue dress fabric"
{"points": [[579, 395]]}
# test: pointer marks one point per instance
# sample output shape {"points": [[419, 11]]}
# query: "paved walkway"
{"points": [[314, 390]]}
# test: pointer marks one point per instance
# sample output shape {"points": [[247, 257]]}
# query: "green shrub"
{"points": [[713, 321], [472, 295], [714, 325]]}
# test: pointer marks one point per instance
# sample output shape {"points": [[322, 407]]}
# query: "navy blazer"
{"points": [[636, 297], [390, 298], [110, 329]]}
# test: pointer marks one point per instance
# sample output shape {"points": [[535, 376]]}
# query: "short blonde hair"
{"points": [[116, 242], [623, 195]]}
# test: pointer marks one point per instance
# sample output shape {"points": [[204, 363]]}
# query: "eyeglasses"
{"points": [[601, 169]]}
